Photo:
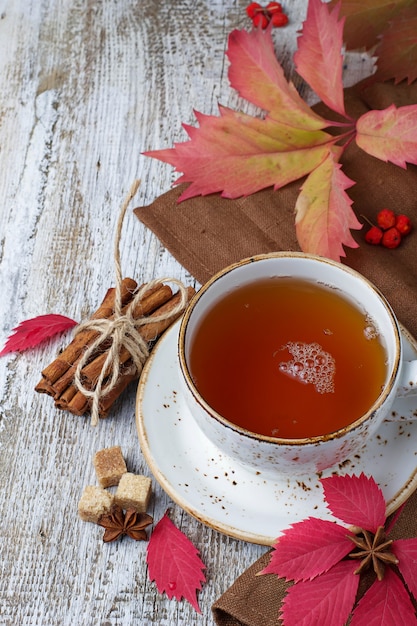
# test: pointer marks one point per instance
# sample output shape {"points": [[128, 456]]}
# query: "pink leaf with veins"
{"points": [[237, 154], [32, 332], [258, 77], [173, 563], [386, 603], [308, 549], [326, 601], [323, 210], [406, 552], [356, 500], [318, 58], [396, 51], [390, 134], [312, 553]]}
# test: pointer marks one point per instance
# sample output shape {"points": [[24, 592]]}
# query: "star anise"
{"points": [[131, 523], [373, 550]]}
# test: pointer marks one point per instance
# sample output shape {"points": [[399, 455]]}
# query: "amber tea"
{"points": [[287, 358]]}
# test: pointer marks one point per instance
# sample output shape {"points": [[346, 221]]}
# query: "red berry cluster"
{"points": [[390, 230], [261, 16]]}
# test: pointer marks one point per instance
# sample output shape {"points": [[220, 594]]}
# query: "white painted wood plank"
{"points": [[86, 87]]}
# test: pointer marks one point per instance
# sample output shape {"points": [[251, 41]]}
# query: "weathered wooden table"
{"points": [[85, 88]]}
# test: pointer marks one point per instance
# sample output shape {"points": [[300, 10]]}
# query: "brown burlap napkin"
{"points": [[207, 233], [256, 600]]}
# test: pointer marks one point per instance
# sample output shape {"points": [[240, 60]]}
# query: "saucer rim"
{"points": [[392, 504]]}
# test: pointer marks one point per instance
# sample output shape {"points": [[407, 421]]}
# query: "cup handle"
{"points": [[407, 384]]}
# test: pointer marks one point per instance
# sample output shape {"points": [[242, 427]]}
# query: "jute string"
{"points": [[123, 329]]}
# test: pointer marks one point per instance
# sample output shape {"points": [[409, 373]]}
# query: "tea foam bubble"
{"points": [[310, 365], [370, 331]]}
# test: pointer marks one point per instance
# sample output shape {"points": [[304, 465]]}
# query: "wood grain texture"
{"points": [[86, 87]]}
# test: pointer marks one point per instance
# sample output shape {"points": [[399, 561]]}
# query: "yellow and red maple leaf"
{"points": [[323, 211], [236, 154]]}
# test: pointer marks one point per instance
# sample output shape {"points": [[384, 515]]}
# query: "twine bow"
{"points": [[122, 330]]}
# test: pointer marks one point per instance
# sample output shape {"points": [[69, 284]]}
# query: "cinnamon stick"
{"points": [[157, 301], [65, 398], [149, 332], [68, 356], [79, 404], [44, 387], [65, 380], [108, 401], [154, 298]]}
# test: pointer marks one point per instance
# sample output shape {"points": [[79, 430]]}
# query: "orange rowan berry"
{"points": [[253, 9], [386, 219], [391, 238], [260, 20], [403, 224], [374, 236], [279, 19], [274, 7]]}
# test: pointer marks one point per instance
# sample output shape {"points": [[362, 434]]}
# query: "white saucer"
{"points": [[234, 500]]}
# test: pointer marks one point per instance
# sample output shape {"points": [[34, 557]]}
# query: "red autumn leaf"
{"points": [[327, 600], [319, 56], [174, 564], [390, 134], [237, 155], [385, 602], [308, 549], [367, 20], [257, 77], [323, 210], [35, 330], [392, 24], [327, 592], [397, 51], [406, 552], [356, 500]]}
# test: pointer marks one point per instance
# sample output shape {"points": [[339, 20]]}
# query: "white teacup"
{"points": [[297, 456]]}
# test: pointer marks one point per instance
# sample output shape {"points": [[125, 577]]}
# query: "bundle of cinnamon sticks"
{"points": [[58, 377]]}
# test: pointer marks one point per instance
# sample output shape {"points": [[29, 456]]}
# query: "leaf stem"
{"points": [[349, 136], [334, 124]]}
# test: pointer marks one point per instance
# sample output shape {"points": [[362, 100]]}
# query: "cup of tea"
{"points": [[289, 362]]}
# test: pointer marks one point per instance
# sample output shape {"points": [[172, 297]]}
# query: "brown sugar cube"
{"points": [[110, 466], [133, 492], [94, 503]]}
